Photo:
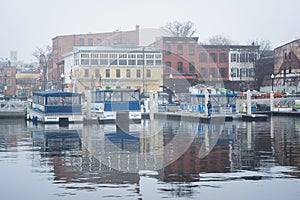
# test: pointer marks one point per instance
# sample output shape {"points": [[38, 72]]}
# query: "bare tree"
{"points": [[180, 29], [44, 58], [264, 45], [219, 40], [262, 66]]}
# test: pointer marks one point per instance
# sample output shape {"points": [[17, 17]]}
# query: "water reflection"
{"points": [[169, 158]]}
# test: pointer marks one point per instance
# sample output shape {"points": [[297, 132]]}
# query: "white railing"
{"points": [[7, 106]]}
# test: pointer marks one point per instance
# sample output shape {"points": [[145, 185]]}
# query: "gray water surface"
{"points": [[158, 160]]}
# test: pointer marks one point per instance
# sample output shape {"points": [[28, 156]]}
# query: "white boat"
{"points": [[55, 107], [106, 104]]}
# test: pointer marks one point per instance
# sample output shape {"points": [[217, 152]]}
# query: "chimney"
{"points": [[137, 27]]}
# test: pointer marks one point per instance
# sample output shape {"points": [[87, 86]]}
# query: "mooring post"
{"points": [[206, 99], [271, 101], [89, 104], [249, 102]]}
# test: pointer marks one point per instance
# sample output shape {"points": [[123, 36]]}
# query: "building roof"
{"points": [[116, 49], [297, 40]]}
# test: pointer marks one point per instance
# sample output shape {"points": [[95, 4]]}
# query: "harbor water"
{"points": [[159, 159]]}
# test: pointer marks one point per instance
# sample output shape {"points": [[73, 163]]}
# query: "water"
{"points": [[158, 160]]}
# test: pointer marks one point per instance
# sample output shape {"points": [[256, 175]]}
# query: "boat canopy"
{"points": [[55, 94]]}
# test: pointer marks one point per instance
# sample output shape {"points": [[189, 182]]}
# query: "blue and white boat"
{"points": [[107, 103], [55, 107]]}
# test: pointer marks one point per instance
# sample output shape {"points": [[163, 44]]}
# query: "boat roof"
{"points": [[55, 93], [117, 90], [215, 95]]}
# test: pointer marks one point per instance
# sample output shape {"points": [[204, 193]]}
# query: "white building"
{"points": [[100, 67]]}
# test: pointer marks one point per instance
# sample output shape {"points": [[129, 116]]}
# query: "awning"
{"points": [[180, 77]]}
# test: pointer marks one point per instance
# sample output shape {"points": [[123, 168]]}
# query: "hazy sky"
{"points": [[28, 24]]}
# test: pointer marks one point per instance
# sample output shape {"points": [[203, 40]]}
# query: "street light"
{"points": [[5, 86], [272, 78], [62, 76]]}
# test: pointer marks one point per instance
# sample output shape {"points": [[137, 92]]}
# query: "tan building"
{"points": [[27, 83], [90, 68], [64, 44]]}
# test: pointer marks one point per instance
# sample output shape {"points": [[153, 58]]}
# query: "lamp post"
{"points": [[62, 76], [5, 86], [272, 78]]}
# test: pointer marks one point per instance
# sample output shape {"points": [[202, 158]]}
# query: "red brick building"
{"points": [[8, 81], [65, 43], [186, 63]]}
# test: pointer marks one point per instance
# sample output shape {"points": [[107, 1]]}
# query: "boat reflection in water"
{"points": [[187, 154]]}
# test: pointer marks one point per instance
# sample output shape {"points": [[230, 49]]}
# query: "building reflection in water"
{"points": [[177, 151]]}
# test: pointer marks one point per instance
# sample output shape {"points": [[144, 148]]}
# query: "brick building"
{"points": [[8, 81], [186, 63], [64, 44], [287, 66]]}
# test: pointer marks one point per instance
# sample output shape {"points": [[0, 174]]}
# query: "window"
{"points": [[168, 49], [233, 57], [113, 59], [168, 66], [118, 73], [203, 72], [203, 57], [123, 59], [138, 73], [97, 73], [1, 72], [251, 57], [90, 42], [86, 73], [149, 59], [243, 57], [192, 50], [94, 59], [223, 72], [158, 59], [9, 82], [223, 58], [213, 57], [107, 73], [179, 49], [148, 75], [213, 72], [140, 59], [180, 67], [99, 41], [81, 41], [103, 59], [128, 73], [8, 73], [131, 59], [191, 67], [233, 72]]}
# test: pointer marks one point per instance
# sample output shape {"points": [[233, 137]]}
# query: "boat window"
{"points": [[116, 96], [130, 96]]}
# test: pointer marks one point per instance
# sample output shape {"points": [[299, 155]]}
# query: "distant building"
{"points": [[8, 81], [26, 83], [242, 59], [100, 67], [180, 62], [287, 66], [187, 63], [64, 44]]}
